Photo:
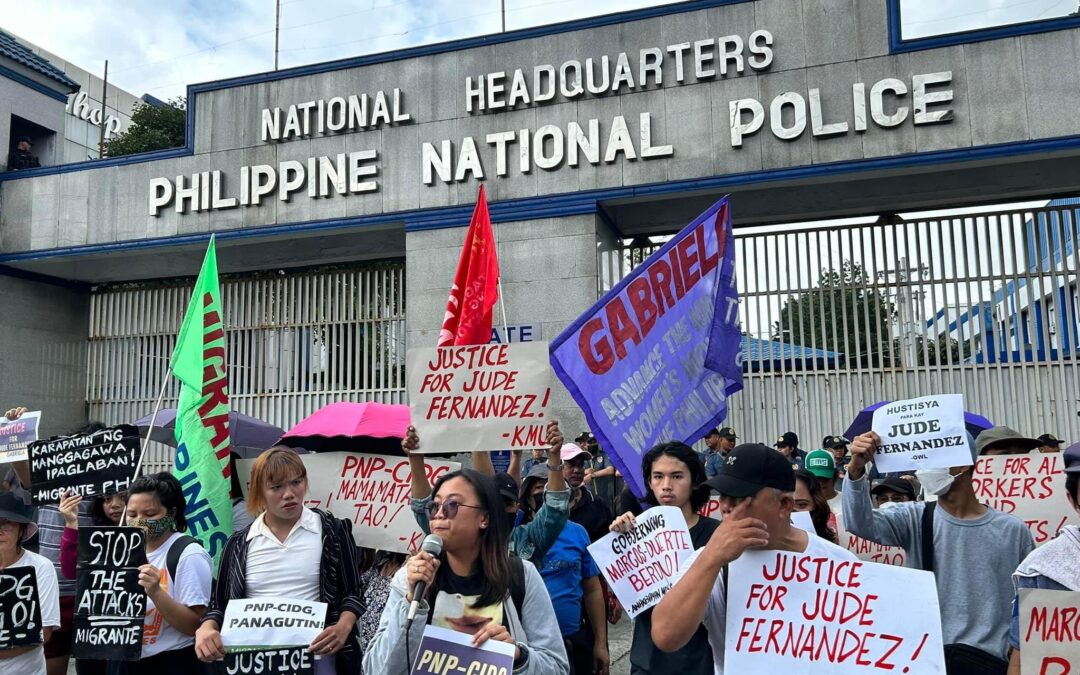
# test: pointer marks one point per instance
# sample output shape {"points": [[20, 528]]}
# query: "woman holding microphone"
{"points": [[473, 586], [289, 551]]}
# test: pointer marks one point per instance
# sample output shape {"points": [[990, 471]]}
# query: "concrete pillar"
{"points": [[43, 337], [549, 274]]}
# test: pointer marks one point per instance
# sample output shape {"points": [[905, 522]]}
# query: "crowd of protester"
{"points": [[515, 566]]}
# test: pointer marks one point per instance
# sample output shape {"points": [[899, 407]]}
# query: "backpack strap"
{"points": [[172, 558], [928, 536], [517, 583]]}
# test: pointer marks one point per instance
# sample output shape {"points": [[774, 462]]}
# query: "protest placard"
{"points": [[812, 615], [270, 622], [1030, 487], [110, 605], [98, 463], [655, 359], [867, 550], [921, 433], [480, 397], [370, 490], [16, 435], [445, 651], [639, 564], [20, 608], [284, 661], [1049, 632]]}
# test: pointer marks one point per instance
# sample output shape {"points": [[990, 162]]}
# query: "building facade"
{"points": [[338, 193]]}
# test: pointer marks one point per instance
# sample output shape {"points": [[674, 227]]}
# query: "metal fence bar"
{"points": [[945, 305], [295, 342]]}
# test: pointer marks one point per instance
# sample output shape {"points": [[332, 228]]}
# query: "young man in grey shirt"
{"points": [[975, 547]]}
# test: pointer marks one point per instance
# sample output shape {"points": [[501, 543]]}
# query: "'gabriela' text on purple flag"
{"points": [[655, 359]]}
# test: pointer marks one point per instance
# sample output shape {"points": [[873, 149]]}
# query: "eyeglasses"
{"points": [[449, 508]]}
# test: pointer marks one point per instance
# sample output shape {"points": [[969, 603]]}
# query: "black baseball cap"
{"points": [[508, 487], [789, 440], [901, 485], [23, 139], [749, 468], [728, 432], [1049, 439], [712, 432], [833, 442]]}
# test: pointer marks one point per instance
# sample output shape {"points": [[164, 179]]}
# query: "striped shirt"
{"points": [[51, 526]]}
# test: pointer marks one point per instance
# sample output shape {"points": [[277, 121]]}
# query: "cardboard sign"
{"points": [[480, 397], [1030, 487], [1049, 634], [287, 661], [921, 433], [93, 464], [110, 605], [370, 490], [16, 435], [655, 359], [806, 614], [265, 623], [445, 651], [867, 550], [639, 564], [20, 608]]}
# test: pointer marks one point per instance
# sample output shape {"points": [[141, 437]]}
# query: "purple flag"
{"points": [[655, 359]]}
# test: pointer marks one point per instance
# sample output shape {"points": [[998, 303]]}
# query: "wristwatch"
{"points": [[523, 658], [557, 467]]}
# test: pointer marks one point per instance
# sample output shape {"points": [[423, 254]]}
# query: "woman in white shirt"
{"points": [[174, 605], [17, 524], [294, 552]]}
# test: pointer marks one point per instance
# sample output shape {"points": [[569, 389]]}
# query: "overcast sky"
{"points": [[160, 47]]}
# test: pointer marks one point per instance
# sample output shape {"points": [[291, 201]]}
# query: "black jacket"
{"points": [[21, 160]]}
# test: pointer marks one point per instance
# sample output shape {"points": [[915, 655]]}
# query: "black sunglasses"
{"points": [[449, 508]]}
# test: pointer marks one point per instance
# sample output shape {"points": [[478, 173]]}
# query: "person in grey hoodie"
{"points": [[470, 587], [975, 548]]}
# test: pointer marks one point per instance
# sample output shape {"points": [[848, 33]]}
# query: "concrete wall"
{"points": [[549, 272], [43, 351], [17, 99], [1012, 89]]}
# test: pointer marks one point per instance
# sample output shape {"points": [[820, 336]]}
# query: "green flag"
{"points": [[202, 414]]}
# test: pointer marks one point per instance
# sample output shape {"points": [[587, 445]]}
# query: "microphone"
{"points": [[433, 546]]}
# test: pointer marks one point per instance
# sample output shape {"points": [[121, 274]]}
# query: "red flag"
{"points": [[475, 290]]}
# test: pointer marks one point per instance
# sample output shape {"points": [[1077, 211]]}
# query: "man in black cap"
{"points": [[719, 443], [788, 445], [1050, 443], [756, 486], [889, 491], [20, 157]]}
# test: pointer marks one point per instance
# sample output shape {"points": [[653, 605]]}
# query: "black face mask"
{"points": [[538, 501], [509, 519]]}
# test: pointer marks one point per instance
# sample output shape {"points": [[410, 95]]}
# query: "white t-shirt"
{"points": [[191, 588], [33, 661], [715, 618], [288, 569]]}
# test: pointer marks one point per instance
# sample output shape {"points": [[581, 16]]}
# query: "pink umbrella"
{"points": [[373, 428]]}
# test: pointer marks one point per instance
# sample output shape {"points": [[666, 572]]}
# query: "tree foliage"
{"points": [[152, 128], [843, 314]]}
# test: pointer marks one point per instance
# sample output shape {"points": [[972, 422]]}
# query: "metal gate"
{"points": [[297, 340], [840, 316]]}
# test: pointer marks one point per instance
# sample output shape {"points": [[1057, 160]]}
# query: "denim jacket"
{"points": [[530, 541]]}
